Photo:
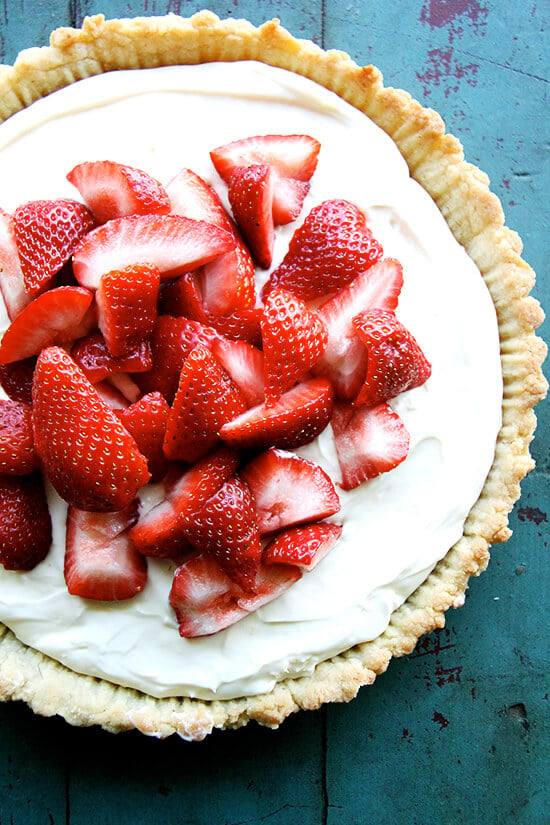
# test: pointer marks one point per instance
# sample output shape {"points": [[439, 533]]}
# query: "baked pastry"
{"points": [[474, 217]]}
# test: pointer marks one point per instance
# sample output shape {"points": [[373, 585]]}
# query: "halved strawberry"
{"points": [[395, 360], [92, 355], [369, 441], [331, 248], [47, 232], [250, 194], [289, 490], [344, 360], [243, 325], [101, 562], [145, 420], [25, 523], [293, 338], [57, 317], [174, 244], [206, 398], [112, 396], [114, 190], [245, 364], [292, 158], [296, 418], [16, 379], [12, 281], [226, 527], [17, 455], [127, 306], [303, 546], [90, 458]]}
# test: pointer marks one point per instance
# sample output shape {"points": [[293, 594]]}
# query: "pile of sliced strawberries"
{"points": [[138, 351]]}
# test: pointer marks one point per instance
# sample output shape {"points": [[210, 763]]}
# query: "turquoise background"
{"points": [[458, 732]]}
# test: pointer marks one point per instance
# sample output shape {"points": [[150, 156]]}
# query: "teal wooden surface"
{"points": [[457, 732]]}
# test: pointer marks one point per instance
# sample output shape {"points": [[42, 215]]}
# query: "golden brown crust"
{"points": [[476, 219]]}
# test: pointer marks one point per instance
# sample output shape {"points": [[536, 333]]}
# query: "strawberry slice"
{"points": [[226, 527], [17, 455], [329, 250], [25, 523], [174, 244], [16, 379], [12, 282], [90, 458], [292, 158], [101, 562], [245, 365], [289, 490], [57, 317], [47, 232], [293, 340], [344, 361], [303, 546], [206, 399], [114, 190], [250, 194], [369, 441], [160, 531], [145, 420], [296, 418], [395, 360], [92, 355], [127, 306]]}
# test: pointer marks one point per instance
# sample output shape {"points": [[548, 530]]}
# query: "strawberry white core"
{"points": [[395, 527]]}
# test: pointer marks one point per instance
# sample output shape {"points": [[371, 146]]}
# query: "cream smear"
{"points": [[397, 526]]}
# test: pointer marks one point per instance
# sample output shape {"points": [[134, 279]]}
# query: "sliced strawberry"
{"points": [[226, 527], [245, 364], [146, 420], [92, 355], [112, 396], [293, 338], [369, 441], [125, 385], [292, 158], [395, 360], [331, 248], [90, 458], [16, 379], [206, 398], [56, 317], [160, 531], [296, 418], [127, 306], [47, 232], [303, 546], [25, 523], [250, 194], [272, 580], [101, 562], [344, 361], [17, 455], [12, 281], [243, 325], [289, 490], [174, 244], [114, 190]]}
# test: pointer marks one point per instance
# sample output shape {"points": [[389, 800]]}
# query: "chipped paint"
{"points": [[440, 720], [454, 15], [446, 71], [532, 514]]}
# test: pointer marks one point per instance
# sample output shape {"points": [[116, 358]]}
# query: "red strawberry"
{"points": [[329, 250], [344, 361], [16, 379], [17, 455], [251, 197], [174, 244], [206, 399], [112, 396], [395, 360], [226, 527], [293, 340], [127, 306], [296, 418], [101, 562], [369, 441], [57, 317], [245, 364], [91, 460], [12, 282], [161, 530], [96, 362], [25, 523], [292, 158], [243, 325], [146, 420], [47, 232], [289, 490], [113, 190], [302, 546]]}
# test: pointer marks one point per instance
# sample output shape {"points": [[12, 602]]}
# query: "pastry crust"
{"points": [[475, 217]]}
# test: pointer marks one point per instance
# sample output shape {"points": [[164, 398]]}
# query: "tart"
{"points": [[119, 685]]}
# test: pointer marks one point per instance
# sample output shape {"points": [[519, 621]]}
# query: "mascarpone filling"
{"points": [[395, 527]]}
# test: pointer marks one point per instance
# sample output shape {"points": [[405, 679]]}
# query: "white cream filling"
{"points": [[397, 526]]}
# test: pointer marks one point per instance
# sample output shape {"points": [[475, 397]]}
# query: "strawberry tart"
{"points": [[268, 367]]}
